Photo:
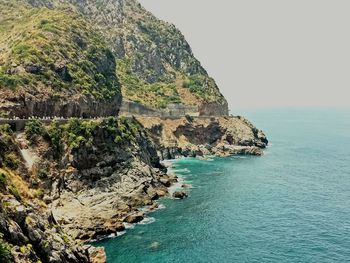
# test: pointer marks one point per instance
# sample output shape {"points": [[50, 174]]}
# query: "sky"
{"points": [[268, 53]]}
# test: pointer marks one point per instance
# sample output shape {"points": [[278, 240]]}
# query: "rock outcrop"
{"points": [[28, 230], [220, 136]]}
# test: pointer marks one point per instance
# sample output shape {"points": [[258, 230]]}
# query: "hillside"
{"points": [[54, 62], [155, 64]]}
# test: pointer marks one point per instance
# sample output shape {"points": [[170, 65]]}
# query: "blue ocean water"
{"points": [[291, 205]]}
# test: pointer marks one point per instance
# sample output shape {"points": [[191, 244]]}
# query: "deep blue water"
{"points": [[291, 205]]}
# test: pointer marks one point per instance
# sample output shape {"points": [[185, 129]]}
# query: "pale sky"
{"points": [[268, 53]]}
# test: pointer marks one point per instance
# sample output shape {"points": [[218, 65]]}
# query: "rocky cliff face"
{"points": [[220, 136], [54, 63], [156, 66], [28, 231]]}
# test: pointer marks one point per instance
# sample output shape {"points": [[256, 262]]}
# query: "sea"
{"points": [[290, 205]]}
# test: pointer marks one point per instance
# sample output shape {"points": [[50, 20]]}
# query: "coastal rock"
{"points": [[220, 136], [162, 192], [180, 195], [97, 255], [134, 218], [165, 181]]}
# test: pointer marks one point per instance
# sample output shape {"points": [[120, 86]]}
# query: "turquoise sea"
{"points": [[291, 205]]}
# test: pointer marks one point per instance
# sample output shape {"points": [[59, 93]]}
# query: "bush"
{"points": [[34, 128], [5, 253], [13, 190], [189, 118], [11, 161], [54, 135], [5, 128], [3, 180]]}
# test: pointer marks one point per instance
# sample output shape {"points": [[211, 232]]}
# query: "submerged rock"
{"points": [[155, 245]]}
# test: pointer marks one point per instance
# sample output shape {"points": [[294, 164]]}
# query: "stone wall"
{"points": [[214, 109]]}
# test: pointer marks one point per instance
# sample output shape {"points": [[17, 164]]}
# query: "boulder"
{"points": [[180, 195], [134, 218], [166, 182]]}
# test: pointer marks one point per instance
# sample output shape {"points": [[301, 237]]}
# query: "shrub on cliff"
{"points": [[55, 50], [54, 135], [3, 180], [5, 253], [10, 160], [33, 129]]}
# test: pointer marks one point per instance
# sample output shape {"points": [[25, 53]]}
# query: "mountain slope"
{"points": [[156, 65], [53, 62]]}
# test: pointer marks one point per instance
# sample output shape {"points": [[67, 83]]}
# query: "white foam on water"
{"points": [[161, 206], [239, 157], [129, 226], [176, 186], [167, 163], [147, 221], [121, 233], [184, 170]]}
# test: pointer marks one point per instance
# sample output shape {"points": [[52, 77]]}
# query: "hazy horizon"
{"points": [[268, 53]]}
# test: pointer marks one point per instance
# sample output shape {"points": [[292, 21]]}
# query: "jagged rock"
{"points": [[166, 182], [162, 192], [179, 195], [97, 254], [134, 218], [33, 68]]}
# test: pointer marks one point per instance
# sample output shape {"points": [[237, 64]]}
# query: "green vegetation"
{"points": [[55, 49], [189, 118], [5, 129], [11, 160], [3, 180], [158, 95], [203, 87], [13, 190], [77, 133], [33, 129], [5, 251], [54, 134]]}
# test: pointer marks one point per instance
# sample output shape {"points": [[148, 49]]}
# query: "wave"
{"points": [[129, 226], [147, 221], [184, 170], [161, 206]]}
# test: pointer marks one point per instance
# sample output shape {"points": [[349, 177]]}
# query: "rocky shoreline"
{"points": [[93, 178]]}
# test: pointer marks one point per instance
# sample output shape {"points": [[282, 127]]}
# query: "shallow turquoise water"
{"points": [[291, 205]]}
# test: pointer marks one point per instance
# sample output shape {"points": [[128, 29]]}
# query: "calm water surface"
{"points": [[291, 205]]}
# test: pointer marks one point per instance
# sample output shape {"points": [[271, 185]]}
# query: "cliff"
{"points": [[155, 64], [28, 231], [54, 63], [81, 180]]}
